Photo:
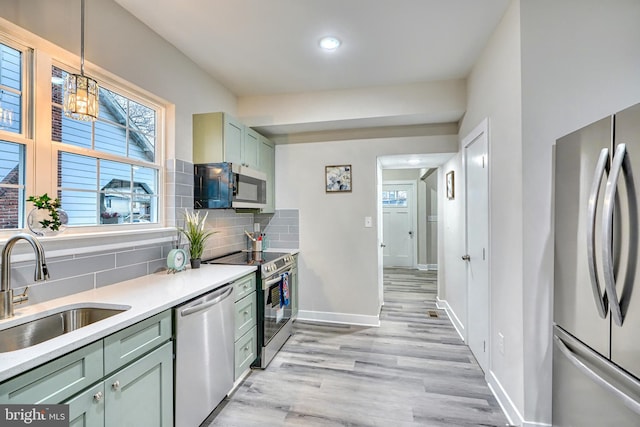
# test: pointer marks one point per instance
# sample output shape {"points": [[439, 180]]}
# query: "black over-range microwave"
{"points": [[228, 185]]}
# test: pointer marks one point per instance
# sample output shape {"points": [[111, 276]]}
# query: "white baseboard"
{"points": [[508, 407], [341, 318], [444, 305]]}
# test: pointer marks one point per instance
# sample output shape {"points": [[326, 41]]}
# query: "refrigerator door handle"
{"points": [[629, 401], [601, 167], [607, 233]]}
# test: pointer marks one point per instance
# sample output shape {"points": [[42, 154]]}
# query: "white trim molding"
{"points": [[457, 324], [514, 417], [340, 318]]}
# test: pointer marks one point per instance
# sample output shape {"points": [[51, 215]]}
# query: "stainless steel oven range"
{"points": [[273, 298]]}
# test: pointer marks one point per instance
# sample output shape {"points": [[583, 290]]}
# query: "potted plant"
{"points": [[47, 217], [196, 234]]}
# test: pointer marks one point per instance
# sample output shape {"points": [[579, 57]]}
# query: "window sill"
{"points": [[69, 243]]}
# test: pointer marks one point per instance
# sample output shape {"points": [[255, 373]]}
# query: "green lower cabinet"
{"points": [[87, 408], [245, 352], [141, 395], [57, 380]]}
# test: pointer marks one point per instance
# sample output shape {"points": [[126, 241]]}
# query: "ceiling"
{"points": [[260, 47], [268, 47]]}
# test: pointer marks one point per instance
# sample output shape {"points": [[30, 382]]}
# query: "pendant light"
{"points": [[81, 92]]}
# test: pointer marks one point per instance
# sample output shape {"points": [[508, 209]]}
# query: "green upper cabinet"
{"points": [[232, 137], [219, 137], [267, 164], [250, 148]]}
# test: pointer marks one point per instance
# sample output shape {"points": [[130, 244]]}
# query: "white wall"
{"points": [[452, 277], [120, 44], [494, 92], [338, 255], [429, 186], [551, 67], [441, 102], [580, 62]]}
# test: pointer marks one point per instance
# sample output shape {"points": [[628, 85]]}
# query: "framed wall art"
{"points": [[451, 186], [337, 178]]}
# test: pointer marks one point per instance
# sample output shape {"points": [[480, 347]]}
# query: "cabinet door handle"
{"points": [[116, 385], [98, 397]]}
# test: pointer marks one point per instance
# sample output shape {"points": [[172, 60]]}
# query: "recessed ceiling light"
{"points": [[330, 43]]}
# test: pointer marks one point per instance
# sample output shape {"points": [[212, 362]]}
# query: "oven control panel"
{"points": [[277, 264]]}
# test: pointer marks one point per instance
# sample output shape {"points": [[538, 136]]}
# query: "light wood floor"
{"points": [[411, 371]]}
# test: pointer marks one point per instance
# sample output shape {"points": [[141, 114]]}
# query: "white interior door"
{"points": [[399, 230], [477, 242]]}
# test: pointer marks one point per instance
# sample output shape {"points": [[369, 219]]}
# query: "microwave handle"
{"points": [[234, 184]]}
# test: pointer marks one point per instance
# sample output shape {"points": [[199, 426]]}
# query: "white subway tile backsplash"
{"points": [[83, 271], [116, 275]]}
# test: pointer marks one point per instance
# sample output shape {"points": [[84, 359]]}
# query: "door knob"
{"points": [[382, 245], [466, 258]]}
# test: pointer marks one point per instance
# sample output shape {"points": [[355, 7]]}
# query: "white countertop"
{"points": [[146, 295]]}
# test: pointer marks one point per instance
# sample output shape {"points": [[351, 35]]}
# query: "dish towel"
{"points": [[284, 290]]}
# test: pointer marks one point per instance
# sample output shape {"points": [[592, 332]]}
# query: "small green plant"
{"points": [[52, 205], [195, 232]]}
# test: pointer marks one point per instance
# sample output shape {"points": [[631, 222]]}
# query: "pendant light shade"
{"points": [[81, 97], [81, 93]]}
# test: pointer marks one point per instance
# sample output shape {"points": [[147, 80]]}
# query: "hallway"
{"points": [[411, 371]]}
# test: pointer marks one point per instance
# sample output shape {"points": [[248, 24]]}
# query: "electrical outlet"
{"points": [[501, 343]]}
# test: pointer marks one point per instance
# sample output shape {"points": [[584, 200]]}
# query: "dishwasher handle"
{"points": [[216, 296]]}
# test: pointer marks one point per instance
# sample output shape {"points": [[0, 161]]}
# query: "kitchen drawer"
{"points": [[130, 343], [87, 408], [245, 354], [245, 314], [56, 381], [244, 286]]}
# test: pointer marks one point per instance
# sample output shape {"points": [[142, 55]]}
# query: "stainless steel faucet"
{"points": [[7, 300]]}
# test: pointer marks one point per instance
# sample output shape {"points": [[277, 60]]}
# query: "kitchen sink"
{"points": [[52, 325]]}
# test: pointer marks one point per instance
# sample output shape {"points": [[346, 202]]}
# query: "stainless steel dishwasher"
{"points": [[204, 355]]}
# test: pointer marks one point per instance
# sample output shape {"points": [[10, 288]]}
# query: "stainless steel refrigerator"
{"points": [[596, 342]]}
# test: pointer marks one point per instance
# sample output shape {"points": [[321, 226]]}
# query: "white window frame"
{"points": [[25, 137], [157, 164], [42, 152]]}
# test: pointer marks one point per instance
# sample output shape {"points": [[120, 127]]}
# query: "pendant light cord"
{"points": [[82, 37]]}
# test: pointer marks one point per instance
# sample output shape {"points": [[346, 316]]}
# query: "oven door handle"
{"points": [[267, 283]]}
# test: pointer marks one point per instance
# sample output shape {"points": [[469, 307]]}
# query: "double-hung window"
{"points": [[108, 170], [12, 135]]}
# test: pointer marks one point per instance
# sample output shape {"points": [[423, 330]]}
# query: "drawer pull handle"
{"points": [[116, 385], [246, 312], [97, 397]]}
